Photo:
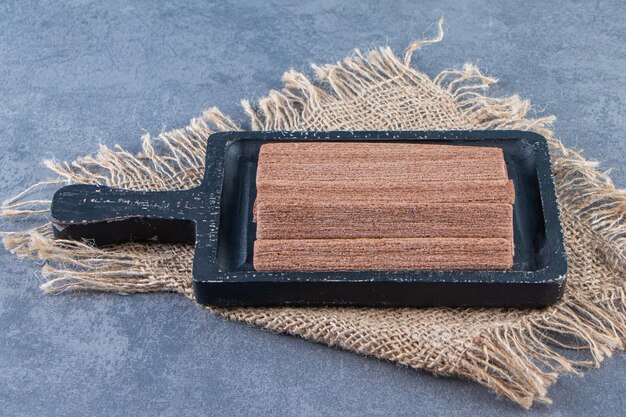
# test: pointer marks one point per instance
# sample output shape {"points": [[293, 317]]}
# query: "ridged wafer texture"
{"points": [[392, 171], [324, 152], [336, 220], [376, 191], [382, 254], [391, 162]]}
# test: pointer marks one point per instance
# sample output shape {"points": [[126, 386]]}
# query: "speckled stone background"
{"points": [[81, 73]]}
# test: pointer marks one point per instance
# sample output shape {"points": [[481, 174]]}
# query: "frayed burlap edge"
{"points": [[518, 355]]}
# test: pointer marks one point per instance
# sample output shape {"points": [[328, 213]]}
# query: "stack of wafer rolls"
{"points": [[338, 206]]}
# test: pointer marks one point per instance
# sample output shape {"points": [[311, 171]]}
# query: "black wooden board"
{"points": [[217, 217]]}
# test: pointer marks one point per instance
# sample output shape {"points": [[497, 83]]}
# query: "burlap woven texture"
{"points": [[516, 353]]}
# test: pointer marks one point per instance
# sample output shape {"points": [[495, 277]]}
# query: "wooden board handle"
{"points": [[108, 215]]}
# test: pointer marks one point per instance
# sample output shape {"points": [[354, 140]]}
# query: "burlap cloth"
{"points": [[516, 353]]}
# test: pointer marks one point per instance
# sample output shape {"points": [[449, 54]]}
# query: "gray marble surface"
{"points": [[81, 73]]}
